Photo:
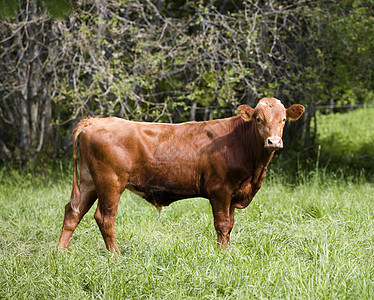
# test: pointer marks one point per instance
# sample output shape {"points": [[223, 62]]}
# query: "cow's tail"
{"points": [[75, 193]]}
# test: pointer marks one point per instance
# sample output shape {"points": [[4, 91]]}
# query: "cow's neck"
{"points": [[260, 163], [257, 158]]}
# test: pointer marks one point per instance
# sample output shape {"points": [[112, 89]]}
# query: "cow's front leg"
{"points": [[223, 213]]}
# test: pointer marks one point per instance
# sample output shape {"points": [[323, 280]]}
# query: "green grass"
{"points": [[347, 140], [313, 240]]}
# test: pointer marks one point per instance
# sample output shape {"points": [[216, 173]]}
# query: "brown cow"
{"points": [[222, 160]]}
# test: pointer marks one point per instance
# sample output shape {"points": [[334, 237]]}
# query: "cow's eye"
{"points": [[284, 119], [258, 119]]}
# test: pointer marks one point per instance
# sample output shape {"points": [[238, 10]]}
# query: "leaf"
{"points": [[57, 8], [8, 8]]}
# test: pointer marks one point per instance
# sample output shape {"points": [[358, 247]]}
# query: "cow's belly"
{"points": [[160, 197]]}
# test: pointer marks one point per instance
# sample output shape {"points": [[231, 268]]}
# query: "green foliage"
{"points": [[56, 8], [8, 8], [304, 241], [341, 35]]}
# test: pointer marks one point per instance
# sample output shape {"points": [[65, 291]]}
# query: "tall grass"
{"points": [[346, 141], [311, 240]]}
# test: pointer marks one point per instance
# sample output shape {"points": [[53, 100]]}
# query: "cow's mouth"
{"points": [[273, 148]]}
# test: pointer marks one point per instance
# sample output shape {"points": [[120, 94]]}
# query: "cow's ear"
{"points": [[294, 112], [246, 112]]}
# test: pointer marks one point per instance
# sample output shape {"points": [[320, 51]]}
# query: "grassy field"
{"points": [[312, 239]]}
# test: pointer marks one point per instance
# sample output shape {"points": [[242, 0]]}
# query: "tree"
{"points": [[174, 61], [27, 84]]}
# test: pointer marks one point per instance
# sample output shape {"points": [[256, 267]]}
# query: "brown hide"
{"points": [[222, 160]]}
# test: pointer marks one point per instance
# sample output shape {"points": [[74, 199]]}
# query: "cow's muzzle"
{"points": [[273, 143]]}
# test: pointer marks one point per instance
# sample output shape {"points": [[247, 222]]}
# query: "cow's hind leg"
{"points": [[105, 217], [74, 212]]}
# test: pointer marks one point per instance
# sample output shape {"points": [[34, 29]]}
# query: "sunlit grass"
{"points": [[310, 240], [347, 140]]}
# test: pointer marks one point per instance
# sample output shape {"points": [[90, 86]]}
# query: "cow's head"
{"points": [[270, 116]]}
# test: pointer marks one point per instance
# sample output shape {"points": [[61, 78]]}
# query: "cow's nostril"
{"points": [[274, 143]]}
